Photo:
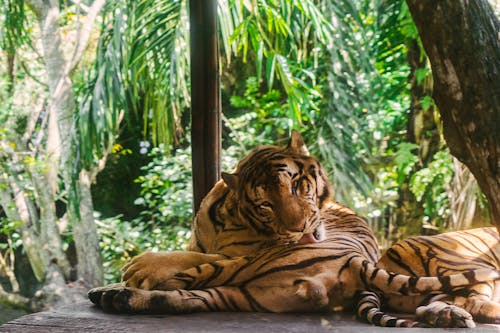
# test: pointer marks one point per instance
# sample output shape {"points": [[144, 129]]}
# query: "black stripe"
{"points": [[217, 271], [374, 274], [412, 282], [212, 301], [470, 276], [377, 317], [391, 322], [445, 281], [198, 242], [391, 277], [301, 265], [212, 211], [222, 298], [256, 306]]}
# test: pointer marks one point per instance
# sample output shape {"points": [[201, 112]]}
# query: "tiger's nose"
{"points": [[297, 228]]}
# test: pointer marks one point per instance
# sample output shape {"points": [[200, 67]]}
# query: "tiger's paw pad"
{"points": [[440, 314], [112, 298]]}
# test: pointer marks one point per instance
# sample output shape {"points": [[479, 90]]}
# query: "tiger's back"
{"points": [[445, 254]]}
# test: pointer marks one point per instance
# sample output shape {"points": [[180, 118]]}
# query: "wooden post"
{"points": [[205, 98]]}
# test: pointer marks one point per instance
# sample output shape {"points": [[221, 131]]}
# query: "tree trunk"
{"points": [[461, 38], [90, 269], [62, 105]]}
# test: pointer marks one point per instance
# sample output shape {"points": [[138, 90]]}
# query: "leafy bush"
{"points": [[166, 189], [164, 223], [257, 118], [431, 186], [121, 240]]}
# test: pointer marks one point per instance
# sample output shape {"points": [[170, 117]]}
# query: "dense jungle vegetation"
{"points": [[94, 148]]}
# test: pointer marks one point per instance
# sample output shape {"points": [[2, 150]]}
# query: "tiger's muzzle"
{"points": [[318, 235]]}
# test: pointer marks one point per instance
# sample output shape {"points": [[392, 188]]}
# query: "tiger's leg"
{"points": [[483, 310], [473, 302], [480, 303], [302, 296], [146, 270], [232, 271], [440, 313]]}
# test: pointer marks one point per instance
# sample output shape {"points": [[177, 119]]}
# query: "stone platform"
{"points": [[85, 317]]}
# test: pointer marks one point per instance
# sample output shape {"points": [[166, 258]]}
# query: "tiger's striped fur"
{"points": [[268, 237], [442, 255]]}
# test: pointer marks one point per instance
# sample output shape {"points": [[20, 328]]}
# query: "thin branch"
{"points": [[7, 266], [14, 300], [84, 34], [27, 71]]}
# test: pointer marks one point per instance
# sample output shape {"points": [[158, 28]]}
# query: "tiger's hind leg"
{"points": [[481, 303], [303, 296], [461, 309], [443, 314], [483, 310]]}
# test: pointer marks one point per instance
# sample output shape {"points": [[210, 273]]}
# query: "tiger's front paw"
{"points": [[441, 314], [148, 270], [117, 298], [152, 271]]}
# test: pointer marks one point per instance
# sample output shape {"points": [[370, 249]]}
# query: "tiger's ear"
{"points": [[296, 144], [231, 180]]}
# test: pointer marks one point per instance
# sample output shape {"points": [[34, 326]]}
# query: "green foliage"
{"points": [[13, 25], [163, 225], [10, 229], [430, 186], [282, 37], [405, 159], [140, 71], [260, 117], [166, 189], [164, 222], [121, 240]]}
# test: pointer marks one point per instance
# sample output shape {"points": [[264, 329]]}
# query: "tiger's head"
{"points": [[280, 192]]}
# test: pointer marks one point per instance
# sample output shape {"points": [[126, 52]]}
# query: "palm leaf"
{"points": [[141, 69]]}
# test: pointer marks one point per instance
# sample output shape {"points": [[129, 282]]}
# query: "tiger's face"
{"points": [[281, 191]]}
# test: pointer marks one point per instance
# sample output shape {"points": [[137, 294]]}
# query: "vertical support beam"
{"points": [[205, 98]]}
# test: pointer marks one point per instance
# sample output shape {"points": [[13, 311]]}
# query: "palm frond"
{"points": [[142, 70], [13, 27]]}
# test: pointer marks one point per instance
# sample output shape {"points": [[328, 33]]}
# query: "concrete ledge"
{"points": [[84, 317]]}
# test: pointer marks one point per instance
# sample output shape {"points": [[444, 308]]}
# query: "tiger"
{"points": [[268, 237], [442, 255]]}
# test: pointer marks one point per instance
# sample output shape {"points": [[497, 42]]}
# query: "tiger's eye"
{"points": [[266, 204]]}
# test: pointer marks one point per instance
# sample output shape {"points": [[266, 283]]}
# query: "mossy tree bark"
{"points": [[461, 39], [29, 175], [62, 111]]}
